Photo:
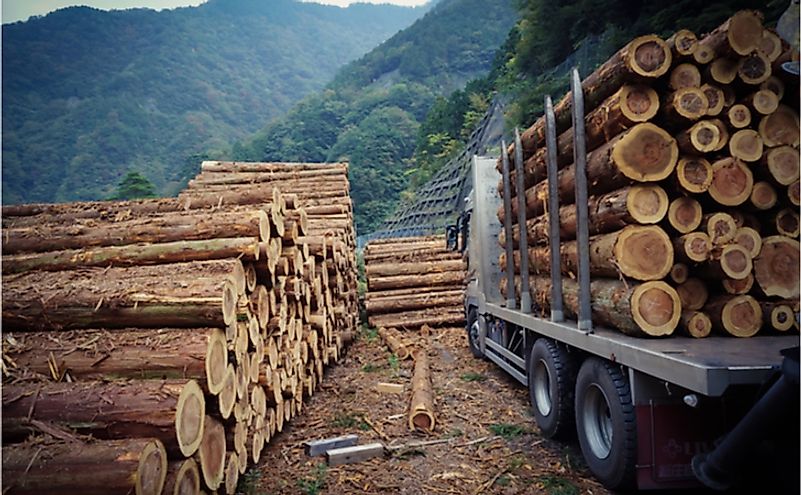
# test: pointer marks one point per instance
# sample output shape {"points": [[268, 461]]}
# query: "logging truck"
{"points": [[642, 408]]}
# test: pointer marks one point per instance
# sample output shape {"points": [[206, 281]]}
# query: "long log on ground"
{"points": [[433, 317], [391, 269], [246, 248], [777, 267], [163, 228], [422, 299], [196, 294], [639, 252], [645, 57], [196, 353], [427, 280], [170, 410], [644, 153], [421, 409], [650, 308], [135, 465], [639, 204], [739, 316], [393, 343]]}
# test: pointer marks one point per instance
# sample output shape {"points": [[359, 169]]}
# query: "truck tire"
{"points": [[551, 382], [472, 327], [606, 423]]}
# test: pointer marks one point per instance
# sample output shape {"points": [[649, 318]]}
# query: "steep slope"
{"points": [[371, 113], [88, 94]]}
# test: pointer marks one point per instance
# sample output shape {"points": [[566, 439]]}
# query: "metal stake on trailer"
{"points": [[511, 301], [557, 312], [582, 221], [525, 289]]}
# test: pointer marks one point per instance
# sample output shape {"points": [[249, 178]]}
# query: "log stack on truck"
{"points": [[157, 345], [413, 281], [658, 195]]}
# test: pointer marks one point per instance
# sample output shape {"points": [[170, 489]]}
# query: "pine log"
{"points": [[421, 409], [780, 127], [721, 227], [684, 75], [397, 293], [639, 252], [134, 465], [683, 43], [421, 300], [644, 153], [695, 324], [164, 228], [391, 269], [732, 261], [738, 287], [694, 174], [749, 239], [684, 105], [638, 204], [739, 116], [723, 133], [746, 144], [763, 102], [739, 316], [777, 267], [702, 137], [679, 273], [211, 453], [692, 247], [199, 354], [754, 68], [427, 280], [434, 317], [786, 222], [246, 248], [170, 410], [723, 70], [763, 196], [794, 193], [782, 163], [775, 85], [196, 294], [732, 182], [740, 34], [277, 177], [778, 315], [183, 478], [693, 294], [684, 214], [393, 343], [237, 167], [715, 99]]}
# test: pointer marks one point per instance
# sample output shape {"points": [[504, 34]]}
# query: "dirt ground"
{"points": [[490, 442]]}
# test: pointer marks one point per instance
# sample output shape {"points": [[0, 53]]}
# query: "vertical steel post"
{"points": [[525, 291], [511, 301], [557, 313], [583, 236]]}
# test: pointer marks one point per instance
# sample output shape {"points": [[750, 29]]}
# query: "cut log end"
{"points": [[754, 68], [749, 239], [780, 127], [721, 228], [693, 294], [649, 56], [780, 317], [190, 411], [679, 273], [216, 361], [183, 480], [745, 32], [775, 85], [212, 453], [739, 116], [738, 287], [735, 261], [646, 153], [763, 196], [690, 103], [226, 399], [787, 222], [644, 252], [696, 324], [723, 70], [685, 76], [777, 267], [232, 473], [685, 214], [694, 174], [638, 103], [783, 164], [229, 302], [746, 144], [684, 42], [732, 182], [695, 246], [794, 193], [152, 470], [703, 137], [715, 99], [764, 101], [741, 316], [656, 308], [647, 204]]}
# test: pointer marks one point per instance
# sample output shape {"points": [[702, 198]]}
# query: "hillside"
{"points": [[89, 95], [370, 114]]}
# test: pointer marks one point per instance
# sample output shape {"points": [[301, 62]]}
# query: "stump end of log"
{"points": [[189, 414], [656, 308]]}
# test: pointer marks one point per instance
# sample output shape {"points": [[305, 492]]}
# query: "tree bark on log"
{"points": [[165, 228], [428, 280], [739, 35], [777, 267], [421, 409], [237, 167], [137, 465], [392, 269], [196, 294], [422, 300], [739, 316], [393, 343], [169, 410], [246, 248], [434, 317]]}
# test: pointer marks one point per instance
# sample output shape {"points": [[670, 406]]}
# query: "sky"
{"points": [[20, 10]]}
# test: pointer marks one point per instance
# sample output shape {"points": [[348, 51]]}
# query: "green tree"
{"points": [[134, 186]]}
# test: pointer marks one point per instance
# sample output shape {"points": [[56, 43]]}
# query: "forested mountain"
{"points": [[89, 95], [370, 114]]}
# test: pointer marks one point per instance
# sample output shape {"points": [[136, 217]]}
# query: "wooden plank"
{"points": [[319, 447], [390, 388], [358, 453]]}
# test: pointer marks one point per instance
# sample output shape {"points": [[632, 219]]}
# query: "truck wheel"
{"points": [[551, 378], [473, 329], [606, 423]]}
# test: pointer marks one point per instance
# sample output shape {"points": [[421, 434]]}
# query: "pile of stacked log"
{"points": [[692, 167], [413, 281], [178, 334]]}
